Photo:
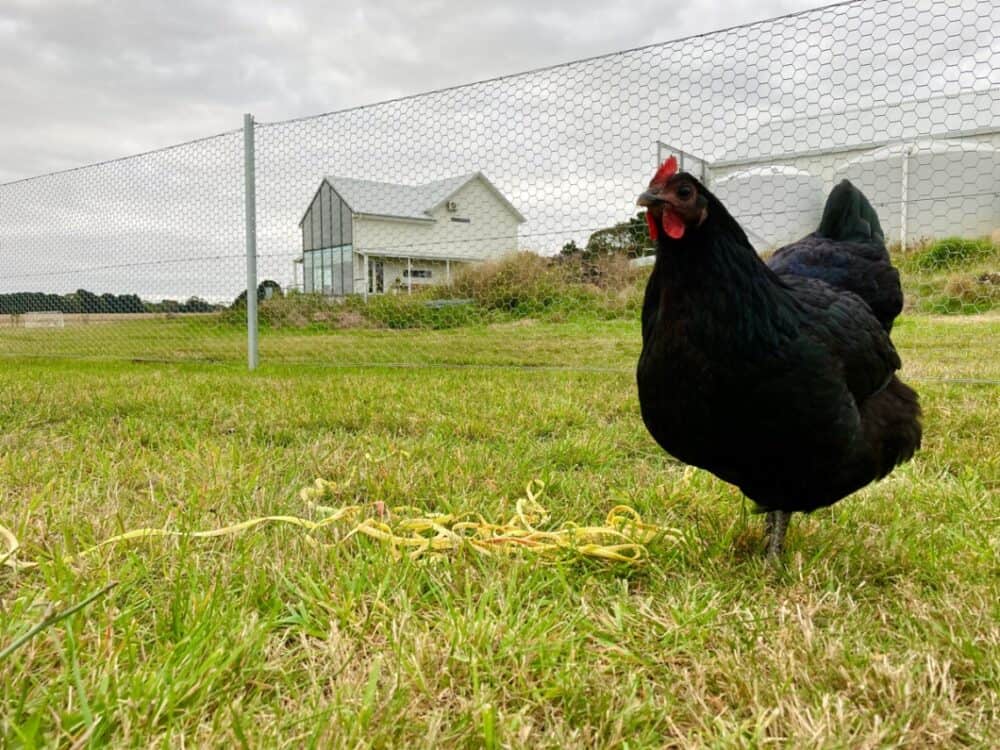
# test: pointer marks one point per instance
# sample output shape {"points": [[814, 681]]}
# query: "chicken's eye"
{"points": [[684, 192]]}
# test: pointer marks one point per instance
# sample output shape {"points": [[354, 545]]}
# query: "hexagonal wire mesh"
{"points": [[141, 257], [495, 223]]}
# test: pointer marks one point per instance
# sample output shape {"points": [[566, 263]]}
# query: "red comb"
{"points": [[667, 170]]}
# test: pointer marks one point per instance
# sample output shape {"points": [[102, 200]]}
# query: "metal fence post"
{"points": [[250, 188], [904, 198]]}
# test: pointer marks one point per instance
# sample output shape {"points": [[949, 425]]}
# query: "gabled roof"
{"points": [[408, 202]]}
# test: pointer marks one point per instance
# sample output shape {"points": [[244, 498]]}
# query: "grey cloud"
{"points": [[88, 81]]}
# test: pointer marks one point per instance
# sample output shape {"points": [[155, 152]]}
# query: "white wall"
{"points": [[770, 223], [951, 188], [492, 230], [393, 269], [795, 212], [490, 234], [940, 187]]}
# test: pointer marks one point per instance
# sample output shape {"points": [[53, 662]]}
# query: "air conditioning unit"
{"points": [[451, 206]]}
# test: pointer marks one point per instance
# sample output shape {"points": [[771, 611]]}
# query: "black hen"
{"points": [[781, 384], [848, 252]]}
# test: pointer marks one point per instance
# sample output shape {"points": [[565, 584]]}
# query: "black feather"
{"points": [[778, 382], [847, 252], [848, 216]]}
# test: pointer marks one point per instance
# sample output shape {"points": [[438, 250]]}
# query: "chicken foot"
{"points": [[776, 525]]}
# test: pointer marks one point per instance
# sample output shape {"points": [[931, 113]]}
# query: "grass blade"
{"points": [[52, 620]]}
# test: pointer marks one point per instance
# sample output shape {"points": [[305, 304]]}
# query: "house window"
{"points": [[461, 221], [307, 276], [328, 257], [416, 273], [328, 271], [317, 283]]}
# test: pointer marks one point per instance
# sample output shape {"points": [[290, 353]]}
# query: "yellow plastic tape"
{"points": [[622, 538]]}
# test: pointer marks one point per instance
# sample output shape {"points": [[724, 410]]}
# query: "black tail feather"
{"points": [[848, 252], [891, 422], [849, 217]]}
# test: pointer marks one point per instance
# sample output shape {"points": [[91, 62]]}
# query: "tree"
{"points": [[571, 248], [629, 238], [89, 302], [265, 290], [197, 305], [130, 303]]}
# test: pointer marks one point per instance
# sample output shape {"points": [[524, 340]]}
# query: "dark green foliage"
{"points": [[952, 252], [628, 238], [571, 248], [23, 302], [172, 307], [953, 276], [82, 301], [267, 289]]}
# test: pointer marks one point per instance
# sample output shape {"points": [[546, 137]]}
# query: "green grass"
{"points": [[882, 630], [941, 346], [520, 310], [951, 276]]}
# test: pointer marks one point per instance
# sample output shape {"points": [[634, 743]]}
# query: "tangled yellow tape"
{"points": [[622, 538]]}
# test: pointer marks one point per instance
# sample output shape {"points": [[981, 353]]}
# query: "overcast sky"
{"points": [[87, 80]]}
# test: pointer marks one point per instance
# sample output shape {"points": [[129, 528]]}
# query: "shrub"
{"points": [[525, 284], [951, 252], [298, 310], [950, 276], [519, 283], [413, 311], [968, 294], [517, 286]]}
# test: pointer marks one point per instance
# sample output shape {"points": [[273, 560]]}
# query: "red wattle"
{"points": [[673, 225], [654, 231]]}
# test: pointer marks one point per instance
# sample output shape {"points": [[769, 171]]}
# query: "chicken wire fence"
{"points": [[495, 223]]}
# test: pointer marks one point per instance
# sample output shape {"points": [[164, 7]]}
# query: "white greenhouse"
{"points": [[926, 189], [930, 167], [749, 196]]}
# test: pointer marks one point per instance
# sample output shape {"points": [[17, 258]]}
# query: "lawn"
{"points": [[882, 629]]}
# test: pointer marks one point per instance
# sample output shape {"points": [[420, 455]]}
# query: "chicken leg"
{"points": [[776, 526]]}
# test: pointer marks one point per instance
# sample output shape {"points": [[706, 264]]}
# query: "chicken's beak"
{"points": [[649, 198]]}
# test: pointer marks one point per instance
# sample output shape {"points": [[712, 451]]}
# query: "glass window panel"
{"points": [[307, 272], [328, 271]]}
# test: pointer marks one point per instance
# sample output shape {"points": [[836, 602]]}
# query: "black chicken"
{"points": [[777, 379], [848, 252]]}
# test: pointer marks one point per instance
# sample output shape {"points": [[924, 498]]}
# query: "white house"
{"points": [[365, 237]]}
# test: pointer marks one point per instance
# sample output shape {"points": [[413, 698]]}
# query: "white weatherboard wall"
{"points": [[394, 277]]}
